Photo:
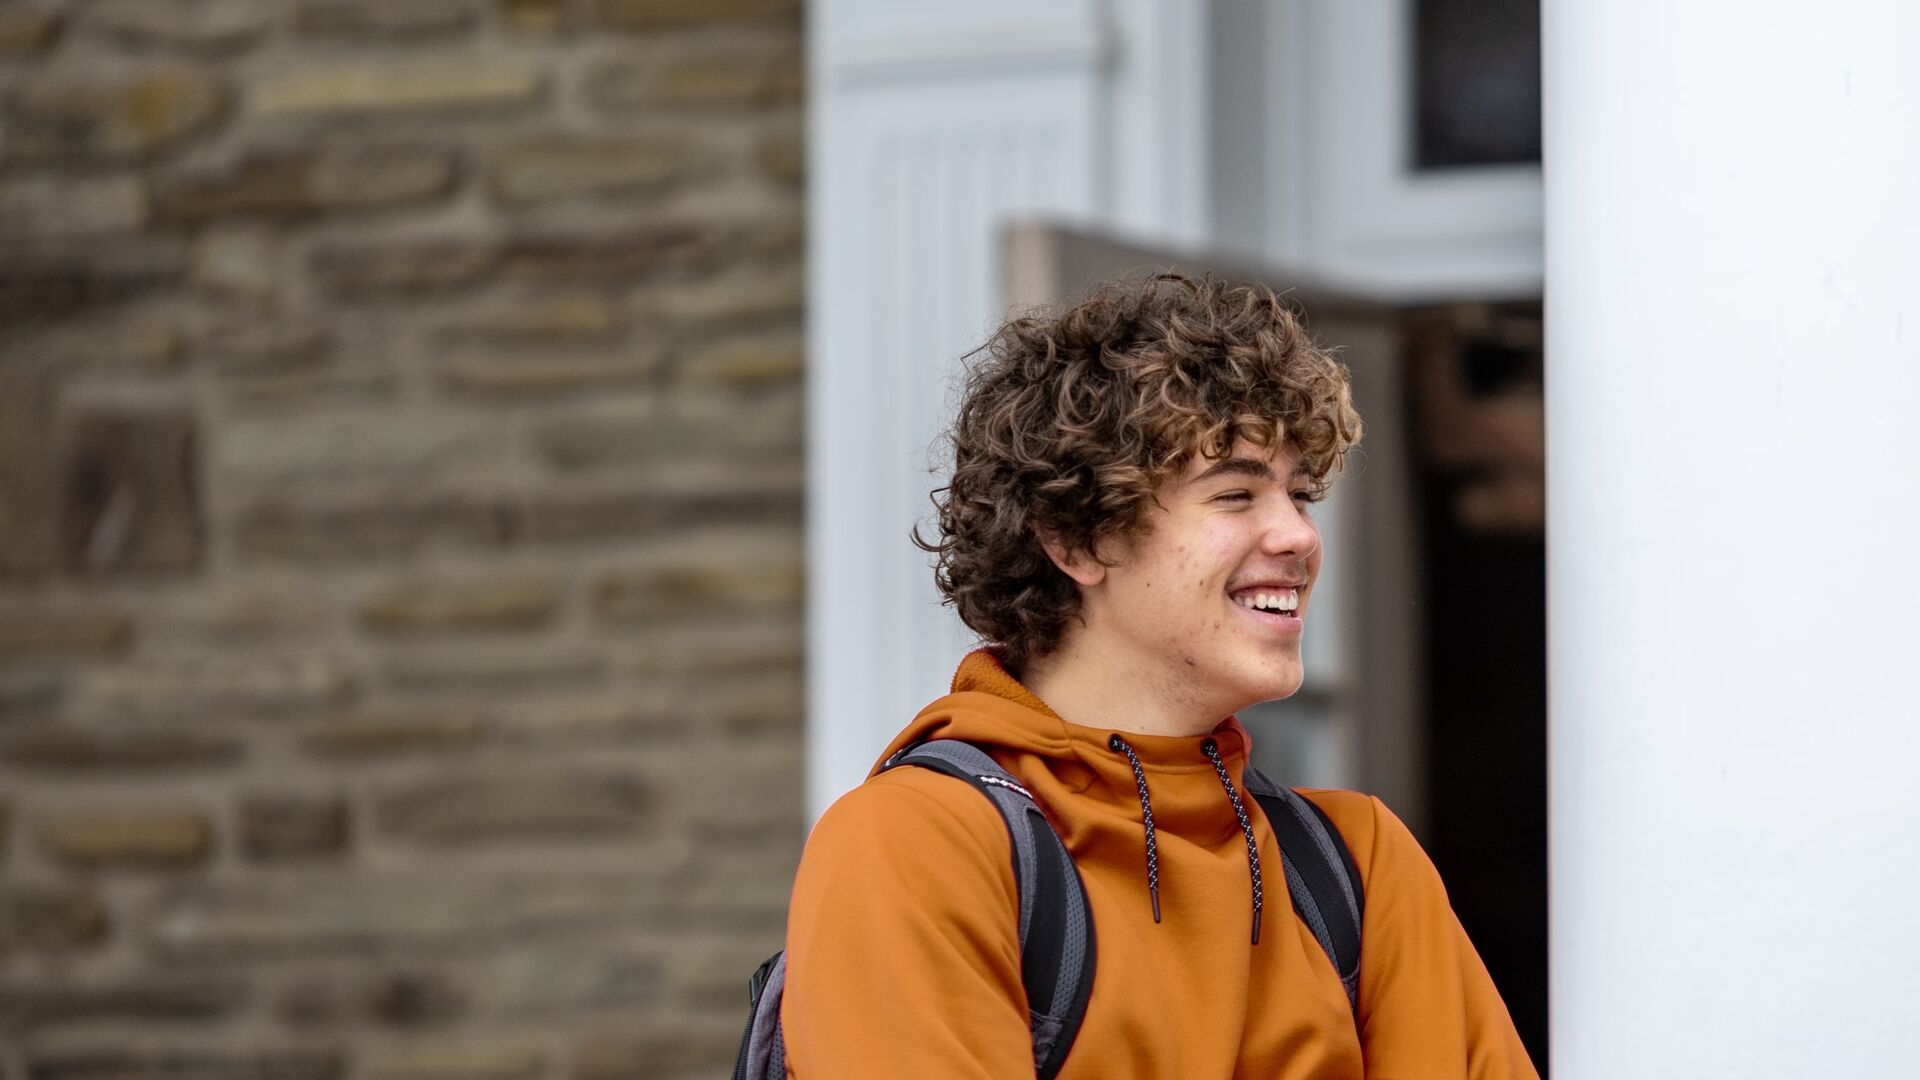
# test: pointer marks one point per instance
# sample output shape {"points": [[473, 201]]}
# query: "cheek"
{"points": [[1222, 555]]}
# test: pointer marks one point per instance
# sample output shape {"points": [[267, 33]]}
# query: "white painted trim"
{"points": [[1347, 204], [1158, 121]]}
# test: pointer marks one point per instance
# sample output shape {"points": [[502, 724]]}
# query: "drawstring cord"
{"points": [[1246, 827], [1212, 750], [1146, 815]]}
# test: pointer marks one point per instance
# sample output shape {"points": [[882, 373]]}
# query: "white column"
{"points": [[1733, 279]]}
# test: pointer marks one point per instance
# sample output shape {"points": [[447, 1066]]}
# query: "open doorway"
{"points": [[1479, 461]]}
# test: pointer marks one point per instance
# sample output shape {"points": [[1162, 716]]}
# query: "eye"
{"points": [[1308, 496], [1234, 496]]}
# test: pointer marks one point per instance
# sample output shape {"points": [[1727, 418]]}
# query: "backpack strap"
{"points": [[1056, 923], [763, 1046], [1321, 874]]}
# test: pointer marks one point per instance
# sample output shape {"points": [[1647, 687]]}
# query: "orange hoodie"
{"points": [[903, 954]]}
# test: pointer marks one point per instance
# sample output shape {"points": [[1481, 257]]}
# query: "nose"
{"points": [[1290, 532]]}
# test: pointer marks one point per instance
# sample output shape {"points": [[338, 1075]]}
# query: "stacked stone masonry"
{"points": [[400, 534]]}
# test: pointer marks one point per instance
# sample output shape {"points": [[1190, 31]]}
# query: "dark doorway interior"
{"points": [[1487, 754], [1485, 633]]}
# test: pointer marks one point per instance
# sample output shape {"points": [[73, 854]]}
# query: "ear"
{"points": [[1082, 567]]}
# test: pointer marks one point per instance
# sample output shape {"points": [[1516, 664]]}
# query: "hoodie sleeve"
{"points": [[903, 951], [1428, 1009]]}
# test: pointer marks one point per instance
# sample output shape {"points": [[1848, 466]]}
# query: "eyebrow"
{"points": [[1242, 466]]}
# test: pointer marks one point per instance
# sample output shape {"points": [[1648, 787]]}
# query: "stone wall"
{"points": [[400, 534]]}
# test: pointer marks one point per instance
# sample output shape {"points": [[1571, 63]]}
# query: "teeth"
{"points": [[1268, 601]]}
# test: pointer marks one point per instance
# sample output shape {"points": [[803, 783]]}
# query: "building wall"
{"points": [[400, 533]]}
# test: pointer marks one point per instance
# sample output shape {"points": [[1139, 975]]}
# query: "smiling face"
{"points": [[1208, 599]]}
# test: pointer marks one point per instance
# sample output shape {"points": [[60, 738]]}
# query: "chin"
{"points": [[1274, 687], [1277, 694]]}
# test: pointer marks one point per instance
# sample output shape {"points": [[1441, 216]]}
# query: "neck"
{"points": [[1102, 689]]}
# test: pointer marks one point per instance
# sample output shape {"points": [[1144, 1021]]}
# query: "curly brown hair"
{"points": [[1070, 422]]}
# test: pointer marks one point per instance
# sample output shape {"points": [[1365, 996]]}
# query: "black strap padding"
{"points": [[1059, 947], [1346, 855], [1076, 1009], [1047, 937], [1322, 878]]}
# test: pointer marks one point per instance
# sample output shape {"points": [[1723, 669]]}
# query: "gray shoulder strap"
{"points": [[1056, 923]]}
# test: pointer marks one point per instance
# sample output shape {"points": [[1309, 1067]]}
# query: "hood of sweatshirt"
{"points": [[1143, 804]]}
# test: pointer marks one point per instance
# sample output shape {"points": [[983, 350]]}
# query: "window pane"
{"points": [[1476, 82]]}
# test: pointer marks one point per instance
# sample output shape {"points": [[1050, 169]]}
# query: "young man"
{"points": [[1128, 523]]}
